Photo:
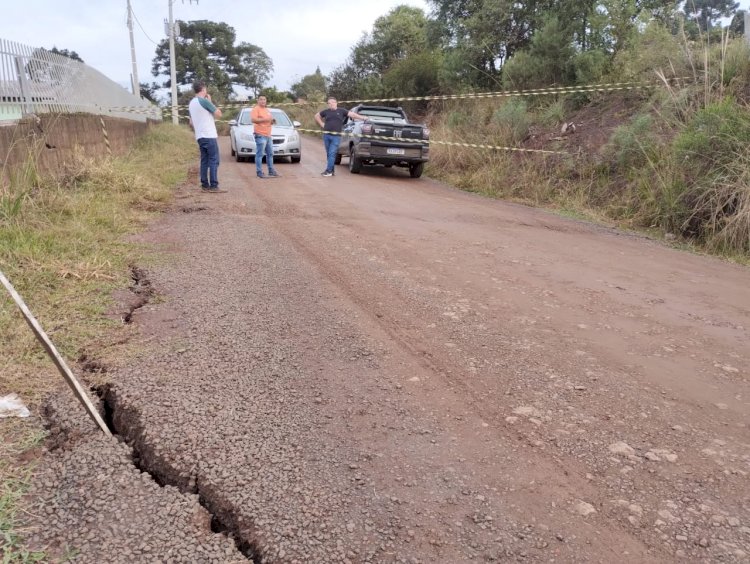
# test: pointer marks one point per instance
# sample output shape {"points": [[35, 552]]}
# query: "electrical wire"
{"points": [[143, 30]]}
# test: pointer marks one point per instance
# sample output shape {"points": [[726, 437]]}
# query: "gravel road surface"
{"points": [[371, 368]]}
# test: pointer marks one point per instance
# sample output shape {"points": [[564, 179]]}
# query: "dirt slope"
{"points": [[369, 368]]}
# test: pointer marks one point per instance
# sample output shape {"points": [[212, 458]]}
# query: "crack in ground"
{"points": [[124, 423], [143, 290]]}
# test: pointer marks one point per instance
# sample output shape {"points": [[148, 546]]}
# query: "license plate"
{"points": [[393, 151]]}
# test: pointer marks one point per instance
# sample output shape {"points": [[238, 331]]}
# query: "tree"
{"points": [[204, 50], [311, 87], [150, 92], [708, 12], [255, 67], [275, 96], [65, 53]]}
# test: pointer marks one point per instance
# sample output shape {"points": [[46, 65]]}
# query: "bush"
{"points": [[511, 121], [630, 145], [656, 49], [713, 138]]}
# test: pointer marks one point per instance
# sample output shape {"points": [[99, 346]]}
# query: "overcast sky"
{"points": [[298, 35]]}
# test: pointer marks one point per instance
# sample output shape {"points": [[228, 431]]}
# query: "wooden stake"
{"points": [[41, 336]]}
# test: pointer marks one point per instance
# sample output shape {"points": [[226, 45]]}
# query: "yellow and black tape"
{"points": [[581, 89]]}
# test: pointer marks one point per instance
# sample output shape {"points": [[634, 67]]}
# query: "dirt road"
{"points": [[370, 368]]}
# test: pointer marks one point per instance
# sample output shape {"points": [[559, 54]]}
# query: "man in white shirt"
{"points": [[202, 115]]}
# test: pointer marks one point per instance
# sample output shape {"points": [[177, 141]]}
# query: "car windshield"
{"points": [[383, 115], [281, 118]]}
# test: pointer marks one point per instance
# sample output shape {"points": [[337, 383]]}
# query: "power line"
{"points": [[143, 30]]}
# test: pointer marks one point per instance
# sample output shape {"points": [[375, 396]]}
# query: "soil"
{"points": [[372, 368]]}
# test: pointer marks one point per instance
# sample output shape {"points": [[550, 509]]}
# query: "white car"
{"points": [[286, 139]]}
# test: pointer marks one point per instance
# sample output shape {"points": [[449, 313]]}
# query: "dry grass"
{"points": [[62, 245]]}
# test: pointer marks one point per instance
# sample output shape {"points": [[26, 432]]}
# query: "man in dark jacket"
{"points": [[332, 120]]}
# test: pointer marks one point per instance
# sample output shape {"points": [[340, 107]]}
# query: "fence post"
{"points": [[26, 103]]}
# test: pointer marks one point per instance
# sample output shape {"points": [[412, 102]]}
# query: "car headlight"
{"points": [[246, 137], [292, 138]]}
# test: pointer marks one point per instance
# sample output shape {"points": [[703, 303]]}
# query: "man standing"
{"points": [[202, 114], [332, 119], [263, 124]]}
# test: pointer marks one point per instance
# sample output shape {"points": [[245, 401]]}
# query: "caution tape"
{"points": [[602, 87], [435, 142]]}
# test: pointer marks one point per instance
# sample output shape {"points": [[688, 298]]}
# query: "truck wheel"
{"points": [[338, 158], [415, 170], [355, 165]]}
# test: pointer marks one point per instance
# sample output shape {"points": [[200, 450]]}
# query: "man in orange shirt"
{"points": [[263, 122]]}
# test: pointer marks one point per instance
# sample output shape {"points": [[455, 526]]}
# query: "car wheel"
{"points": [[238, 157], [296, 159], [355, 165], [338, 158], [415, 170], [233, 151]]}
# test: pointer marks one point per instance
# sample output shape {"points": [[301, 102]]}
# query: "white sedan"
{"points": [[286, 139]]}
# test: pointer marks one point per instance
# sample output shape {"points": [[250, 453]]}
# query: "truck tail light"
{"points": [[367, 128], [425, 133]]}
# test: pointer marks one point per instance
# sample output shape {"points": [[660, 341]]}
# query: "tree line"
{"points": [[460, 46]]}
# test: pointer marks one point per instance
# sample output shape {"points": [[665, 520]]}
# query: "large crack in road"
{"points": [[371, 369]]}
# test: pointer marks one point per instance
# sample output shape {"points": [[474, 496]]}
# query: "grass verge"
{"points": [[63, 246]]}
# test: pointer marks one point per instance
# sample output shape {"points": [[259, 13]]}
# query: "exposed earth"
{"points": [[371, 368]]}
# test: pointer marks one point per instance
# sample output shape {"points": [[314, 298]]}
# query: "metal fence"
{"points": [[34, 80]]}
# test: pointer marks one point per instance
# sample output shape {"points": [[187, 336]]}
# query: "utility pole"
{"points": [[172, 67], [134, 76]]}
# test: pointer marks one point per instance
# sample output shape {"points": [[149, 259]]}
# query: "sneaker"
{"points": [[274, 174], [327, 173], [261, 175]]}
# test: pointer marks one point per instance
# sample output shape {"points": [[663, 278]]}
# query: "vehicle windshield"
{"points": [[383, 115], [245, 118], [281, 118]]}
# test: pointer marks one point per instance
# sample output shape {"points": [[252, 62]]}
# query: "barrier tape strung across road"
{"points": [[603, 87], [430, 141]]}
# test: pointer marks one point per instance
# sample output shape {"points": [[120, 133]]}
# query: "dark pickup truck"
{"points": [[385, 138]]}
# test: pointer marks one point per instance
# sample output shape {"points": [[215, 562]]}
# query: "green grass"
{"points": [[63, 246]]}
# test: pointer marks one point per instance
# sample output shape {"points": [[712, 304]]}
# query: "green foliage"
{"points": [[708, 12], [547, 61], [714, 138], [511, 121], [590, 67], [631, 145], [311, 87], [205, 50], [655, 49], [275, 96], [413, 76], [552, 113], [255, 68]]}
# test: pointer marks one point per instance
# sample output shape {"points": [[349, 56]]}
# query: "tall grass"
{"points": [[677, 163], [63, 246]]}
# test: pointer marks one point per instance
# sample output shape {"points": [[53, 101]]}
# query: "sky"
{"points": [[298, 35]]}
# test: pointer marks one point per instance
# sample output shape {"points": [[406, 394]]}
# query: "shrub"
{"points": [[630, 145], [511, 121]]}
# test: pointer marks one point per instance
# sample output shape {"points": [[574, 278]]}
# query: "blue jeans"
{"points": [[209, 162], [263, 145], [331, 143]]}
